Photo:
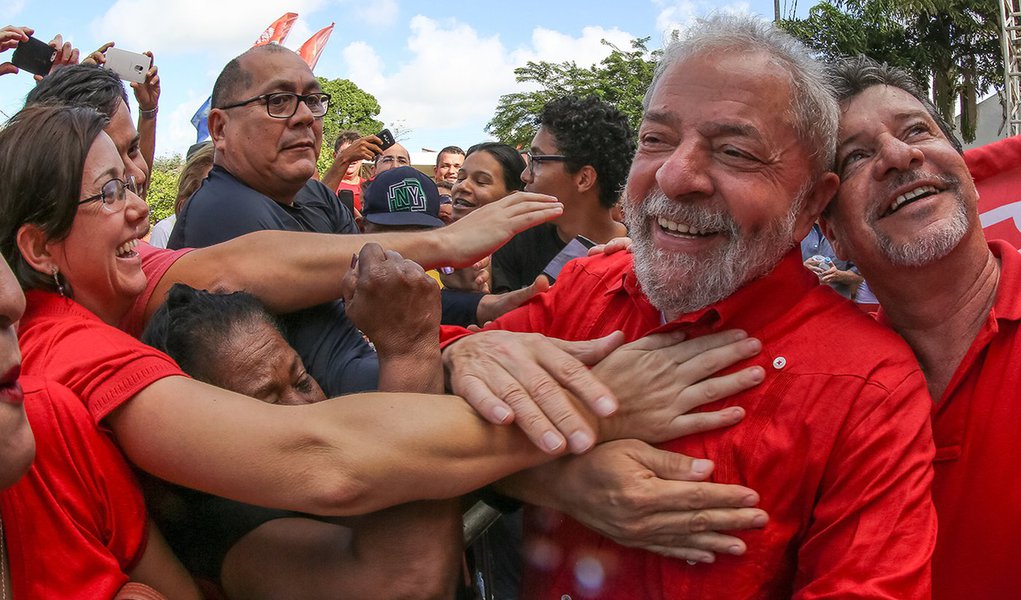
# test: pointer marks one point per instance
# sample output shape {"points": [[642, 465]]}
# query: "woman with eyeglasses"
{"points": [[72, 520]]}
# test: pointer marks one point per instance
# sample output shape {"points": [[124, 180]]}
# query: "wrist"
{"points": [[148, 113]]}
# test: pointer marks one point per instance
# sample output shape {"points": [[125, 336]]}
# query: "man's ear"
{"points": [[35, 248], [217, 123], [831, 235], [586, 178], [815, 202]]}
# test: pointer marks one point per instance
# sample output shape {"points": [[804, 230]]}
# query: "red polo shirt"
{"points": [[837, 442], [977, 489]]}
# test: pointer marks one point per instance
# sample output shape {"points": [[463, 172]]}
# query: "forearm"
{"points": [[159, 569], [147, 141], [335, 174], [347, 456], [412, 551], [538, 486], [288, 271], [416, 369]]}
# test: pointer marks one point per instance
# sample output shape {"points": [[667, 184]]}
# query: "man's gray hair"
{"points": [[813, 109]]}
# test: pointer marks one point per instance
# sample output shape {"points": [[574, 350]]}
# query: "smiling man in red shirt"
{"points": [[907, 214], [836, 440]]}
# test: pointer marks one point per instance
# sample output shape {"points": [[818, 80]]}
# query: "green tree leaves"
{"points": [[350, 108], [953, 45], [620, 79]]}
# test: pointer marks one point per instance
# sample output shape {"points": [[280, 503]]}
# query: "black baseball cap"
{"points": [[402, 196]]}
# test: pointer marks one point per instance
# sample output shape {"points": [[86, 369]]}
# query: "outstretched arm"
{"points": [[290, 270]]}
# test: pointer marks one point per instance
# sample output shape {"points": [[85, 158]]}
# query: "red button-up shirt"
{"points": [[837, 442], [977, 428]]}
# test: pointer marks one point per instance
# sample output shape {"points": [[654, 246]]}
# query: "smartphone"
{"points": [[387, 138], [576, 248], [34, 56], [130, 66], [347, 198]]}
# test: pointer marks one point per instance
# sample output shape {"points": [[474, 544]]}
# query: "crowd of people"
{"points": [[641, 347]]}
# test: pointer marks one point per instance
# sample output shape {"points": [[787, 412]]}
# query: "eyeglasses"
{"points": [[283, 105], [540, 158], [385, 160], [113, 193]]}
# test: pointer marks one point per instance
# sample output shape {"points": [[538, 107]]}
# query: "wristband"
{"points": [[148, 114]]}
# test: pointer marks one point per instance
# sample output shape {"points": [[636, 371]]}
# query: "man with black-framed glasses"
{"points": [[580, 155], [267, 127]]}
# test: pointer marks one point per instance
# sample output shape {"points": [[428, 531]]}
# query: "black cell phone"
{"points": [[387, 138], [34, 56], [347, 198]]}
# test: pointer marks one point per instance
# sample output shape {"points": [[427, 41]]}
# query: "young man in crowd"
{"points": [[580, 155], [448, 162]]}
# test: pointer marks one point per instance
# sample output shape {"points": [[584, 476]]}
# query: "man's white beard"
{"points": [[681, 283]]}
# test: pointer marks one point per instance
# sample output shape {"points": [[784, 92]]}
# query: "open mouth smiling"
{"points": [[681, 229], [909, 197]]}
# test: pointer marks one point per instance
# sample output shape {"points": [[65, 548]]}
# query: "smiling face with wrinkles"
{"points": [[722, 185], [905, 196]]}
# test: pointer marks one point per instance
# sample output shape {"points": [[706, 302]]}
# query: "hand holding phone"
{"points": [[10, 37], [34, 56], [130, 66], [387, 138]]}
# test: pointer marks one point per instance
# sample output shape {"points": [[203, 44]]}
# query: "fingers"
{"points": [[716, 351], [716, 388], [11, 36], [592, 351], [612, 247], [98, 56], [348, 283], [534, 391], [7, 68], [478, 395], [698, 422], [701, 547]]}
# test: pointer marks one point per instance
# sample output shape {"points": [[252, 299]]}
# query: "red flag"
{"points": [[996, 168], [311, 49], [277, 32]]}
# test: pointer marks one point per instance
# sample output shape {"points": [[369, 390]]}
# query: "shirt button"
{"points": [[779, 362]]}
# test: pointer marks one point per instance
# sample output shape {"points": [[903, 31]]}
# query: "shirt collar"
{"points": [[1008, 293], [758, 302]]}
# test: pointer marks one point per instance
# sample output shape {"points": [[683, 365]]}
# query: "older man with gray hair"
{"points": [[732, 169]]}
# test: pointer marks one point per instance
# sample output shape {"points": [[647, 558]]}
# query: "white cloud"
{"points": [[554, 46], [437, 89], [379, 13], [10, 11], [221, 28], [175, 131], [679, 14]]}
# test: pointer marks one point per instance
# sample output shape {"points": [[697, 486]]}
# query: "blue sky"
{"points": [[437, 69]]}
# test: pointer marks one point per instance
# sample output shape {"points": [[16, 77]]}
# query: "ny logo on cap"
{"points": [[407, 195]]}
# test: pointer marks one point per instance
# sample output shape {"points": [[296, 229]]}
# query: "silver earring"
{"points": [[56, 280]]}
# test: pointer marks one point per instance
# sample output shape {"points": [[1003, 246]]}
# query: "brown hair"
{"points": [[193, 174], [42, 159]]}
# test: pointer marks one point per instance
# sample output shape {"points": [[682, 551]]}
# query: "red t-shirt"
{"points": [[64, 342], [155, 262], [976, 488], [76, 522], [836, 440]]}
